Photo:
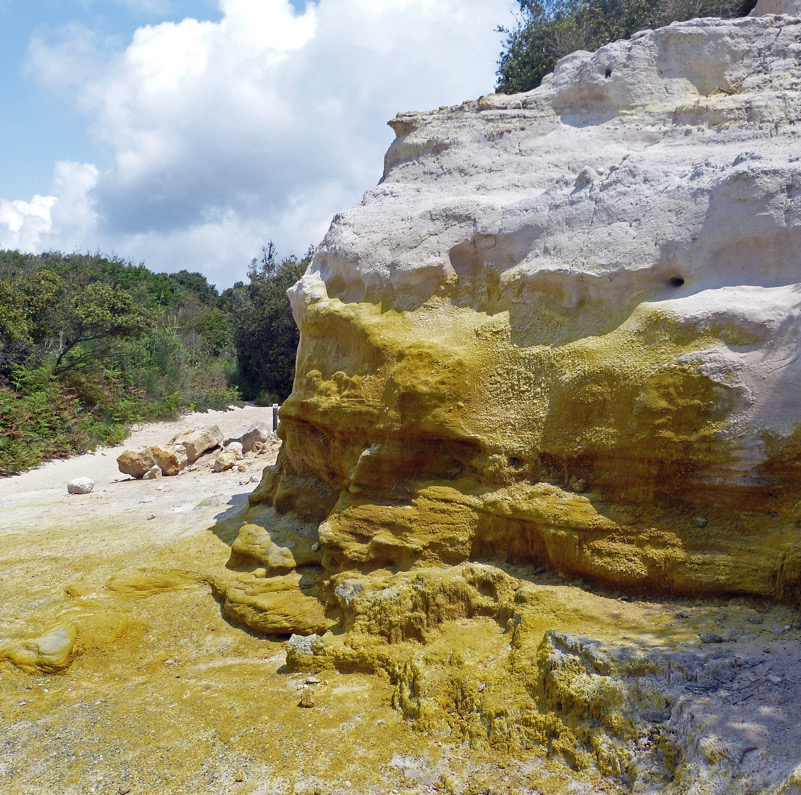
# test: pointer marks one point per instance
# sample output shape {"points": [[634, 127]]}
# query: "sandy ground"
{"points": [[101, 465], [163, 694]]}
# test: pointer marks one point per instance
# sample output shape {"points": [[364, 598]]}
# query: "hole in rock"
{"points": [[608, 73], [675, 281], [516, 463]]}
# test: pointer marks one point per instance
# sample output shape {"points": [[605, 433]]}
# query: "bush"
{"points": [[89, 345]]}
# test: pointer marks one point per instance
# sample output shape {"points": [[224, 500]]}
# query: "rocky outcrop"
{"points": [[560, 338], [563, 329]]}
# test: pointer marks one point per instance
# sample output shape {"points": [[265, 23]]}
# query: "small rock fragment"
{"points": [[579, 485], [80, 486], [775, 680], [710, 637], [699, 521], [239, 776], [755, 619], [152, 473], [307, 698]]}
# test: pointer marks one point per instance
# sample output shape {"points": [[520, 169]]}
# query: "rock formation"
{"points": [[563, 329], [560, 335]]}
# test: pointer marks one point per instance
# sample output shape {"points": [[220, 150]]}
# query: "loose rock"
{"points": [[80, 486]]}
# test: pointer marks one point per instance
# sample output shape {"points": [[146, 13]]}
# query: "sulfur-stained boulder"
{"points": [[197, 442], [51, 652]]}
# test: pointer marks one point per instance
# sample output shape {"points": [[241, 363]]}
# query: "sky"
{"points": [[188, 134]]}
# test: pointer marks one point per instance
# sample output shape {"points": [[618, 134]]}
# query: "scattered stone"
{"points": [[239, 776], [153, 473], [171, 458], [242, 468], [197, 442], [225, 460], [775, 680], [124, 790], [710, 637], [755, 618], [136, 462], [307, 698], [258, 433], [80, 486], [682, 614], [311, 680], [700, 521]]}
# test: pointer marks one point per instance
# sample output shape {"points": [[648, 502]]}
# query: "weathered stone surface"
{"points": [[80, 486], [136, 462], [49, 653], [153, 473], [171, 458], [258, 433], [280, 605], [197, 442], [790, 7], [227, 458], [567, 323], [561, 338]]}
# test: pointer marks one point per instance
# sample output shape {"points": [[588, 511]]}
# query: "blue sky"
{"points": [[187, 134]]}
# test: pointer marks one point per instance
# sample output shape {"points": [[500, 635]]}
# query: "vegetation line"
{"points": [[90, 345]]}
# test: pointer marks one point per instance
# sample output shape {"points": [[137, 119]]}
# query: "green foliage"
{"points": [[547, 30], [89, 345], [266, 337]]}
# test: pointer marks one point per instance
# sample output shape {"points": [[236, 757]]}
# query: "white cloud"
{"points": [[58, 221], [222, 135]]}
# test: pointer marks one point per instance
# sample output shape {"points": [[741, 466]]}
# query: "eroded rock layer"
{"points": [[558, 340], [563, 329]]}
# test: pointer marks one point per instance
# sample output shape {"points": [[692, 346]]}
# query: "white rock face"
{"points": [[789, 7], [666, 167]]}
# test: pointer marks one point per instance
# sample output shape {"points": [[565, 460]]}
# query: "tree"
{"points": [[265, 334], [547, 30]]}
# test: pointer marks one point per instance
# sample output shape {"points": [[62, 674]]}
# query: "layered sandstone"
{"points": [[563, 329], [560, 338]]}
